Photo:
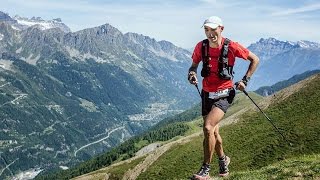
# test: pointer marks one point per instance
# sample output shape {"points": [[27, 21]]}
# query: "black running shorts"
{"points": [[222, 103]]}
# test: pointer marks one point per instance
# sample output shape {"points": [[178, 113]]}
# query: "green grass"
{"points": [[141, 144], [118, 171], [177, 161], [195, 126], [253, 143], [303, 167], [241, 101]]}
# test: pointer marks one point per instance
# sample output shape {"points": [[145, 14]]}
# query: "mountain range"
{"points": [[67, 96], [280, 60], [269, 90]]}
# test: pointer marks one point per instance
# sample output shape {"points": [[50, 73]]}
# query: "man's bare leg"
{"points": [[210, 122], [218, 145]]}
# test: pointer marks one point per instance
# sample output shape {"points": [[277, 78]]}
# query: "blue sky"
{"points": [[180, 21]]}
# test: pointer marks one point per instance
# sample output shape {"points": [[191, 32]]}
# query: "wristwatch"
{"points": [[191, 73], [245, 80]]}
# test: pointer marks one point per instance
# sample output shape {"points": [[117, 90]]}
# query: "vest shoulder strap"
{"points": [[205, 50], [224, 51]]}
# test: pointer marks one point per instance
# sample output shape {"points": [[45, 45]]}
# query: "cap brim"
{"points": [[212, 25]]}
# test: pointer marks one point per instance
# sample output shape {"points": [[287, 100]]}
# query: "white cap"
{"points": [[213, 22]]}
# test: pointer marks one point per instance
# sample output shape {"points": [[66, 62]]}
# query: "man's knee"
{"points": [[210, 125], [208, 129]]}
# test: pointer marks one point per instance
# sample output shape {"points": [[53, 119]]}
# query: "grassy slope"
{"points": [[252, 143], [302, 167]]}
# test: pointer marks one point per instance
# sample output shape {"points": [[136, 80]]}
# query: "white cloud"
{"points": [[303, 9], [209, 1]]}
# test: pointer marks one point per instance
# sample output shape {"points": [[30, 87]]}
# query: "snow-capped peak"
{"points": [[23, 23], [275, 42], [270, 47], [307, 44]]}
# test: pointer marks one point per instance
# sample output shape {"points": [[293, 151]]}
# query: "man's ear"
{"points": [[222, 27]]}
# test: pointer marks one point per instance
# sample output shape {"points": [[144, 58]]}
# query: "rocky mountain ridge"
{"points": [[22, 23], [82, 92]]}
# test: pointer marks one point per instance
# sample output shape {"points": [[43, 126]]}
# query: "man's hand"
{"points": [[192, 77], [240, 86]]}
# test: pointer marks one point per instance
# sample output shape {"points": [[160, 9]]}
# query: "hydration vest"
{"points": [[225, 71]]}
